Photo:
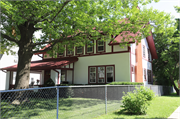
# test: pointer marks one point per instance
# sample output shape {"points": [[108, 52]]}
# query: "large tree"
{"points": [[63, 20], [166, 67]]}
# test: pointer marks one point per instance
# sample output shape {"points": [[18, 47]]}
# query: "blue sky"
{"points": [[166, 6]]}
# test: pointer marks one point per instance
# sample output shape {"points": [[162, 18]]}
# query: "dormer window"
{"points": [[100, 46]]}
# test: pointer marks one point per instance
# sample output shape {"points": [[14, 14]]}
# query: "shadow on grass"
{"points": [[129, 115], [40, 107], [172, 95]]}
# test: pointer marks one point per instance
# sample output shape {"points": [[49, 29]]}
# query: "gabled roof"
{"points": [[152, 47]]}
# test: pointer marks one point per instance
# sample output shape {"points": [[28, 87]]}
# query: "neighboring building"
{"points": [[102, 63]]}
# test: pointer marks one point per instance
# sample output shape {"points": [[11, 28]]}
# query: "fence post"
{"points": [[106, 99], [57, 102]]}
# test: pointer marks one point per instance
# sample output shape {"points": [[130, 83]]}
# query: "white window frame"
{"points": [[79, 48]]}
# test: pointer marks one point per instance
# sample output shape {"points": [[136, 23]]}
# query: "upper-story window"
{"points": [[100, 46], [69, 52], [90, 47], [149, 59], [79, 50], [144, 55]]}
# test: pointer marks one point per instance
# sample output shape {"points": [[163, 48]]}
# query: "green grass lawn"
{"points": [[160, 107], [76, 108]]}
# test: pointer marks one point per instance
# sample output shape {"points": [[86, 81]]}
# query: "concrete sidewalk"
{"points": [[175, 114]]}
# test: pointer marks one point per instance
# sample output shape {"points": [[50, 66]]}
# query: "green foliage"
{"points": [[136, 102], [49, 83], [166, 67], [124, 83]]}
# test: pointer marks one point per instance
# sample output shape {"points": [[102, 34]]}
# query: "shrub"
{"points": [[136, 102], [125, 83], [49, 82]]}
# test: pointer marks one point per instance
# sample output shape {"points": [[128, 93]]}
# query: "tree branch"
{"points": [[65, 3], [9, 38]]}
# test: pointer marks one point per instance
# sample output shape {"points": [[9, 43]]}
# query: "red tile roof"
{"points": [[46, 64]]}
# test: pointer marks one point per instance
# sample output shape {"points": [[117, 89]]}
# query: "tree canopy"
{"points": [[63, 20], [166, 67]]}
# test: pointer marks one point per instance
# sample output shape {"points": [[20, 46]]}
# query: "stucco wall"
{"points": [[120, 60]]}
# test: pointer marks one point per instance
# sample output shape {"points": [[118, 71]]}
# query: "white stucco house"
{"points": [[101, 63]]}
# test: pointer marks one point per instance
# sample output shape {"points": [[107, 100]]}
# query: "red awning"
{"points": [[46, 64]]}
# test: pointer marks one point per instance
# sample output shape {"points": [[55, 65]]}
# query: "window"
{"points": [[92, 75], [103, 74], [132, 69], [149, 55], [144, 51], [69, 52], [79, 50], [100, 46], [63, 75], [145, 74], [90, 47], [61, 53], [109, 74], [149, 76]]}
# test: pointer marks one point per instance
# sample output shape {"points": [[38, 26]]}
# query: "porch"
{"points": [[59, 70]]}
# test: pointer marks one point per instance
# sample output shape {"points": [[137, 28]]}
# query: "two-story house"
{"points": [[101, 63]]}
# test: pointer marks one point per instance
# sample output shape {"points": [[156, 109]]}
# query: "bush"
{"points": [[49, 82], [136, 102], [125, 83]]}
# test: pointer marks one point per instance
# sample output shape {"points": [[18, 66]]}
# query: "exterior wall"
{"points": [[145, 63], [120, 60], [138, 66], [133, 60], [117, 48], [7, 80], [69, 76]]}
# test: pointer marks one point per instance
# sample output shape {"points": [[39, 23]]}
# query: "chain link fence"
{"points": [[61, 102]]}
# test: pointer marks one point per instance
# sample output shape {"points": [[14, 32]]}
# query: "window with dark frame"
{"points": [[69, 52], [103, 73], [132, 69], [109, 74], [61, 53], [149, 55], [100, 46], [149, 76], [92, 76], [90, 47], [79, 50], [144, 55], [145, 74]]}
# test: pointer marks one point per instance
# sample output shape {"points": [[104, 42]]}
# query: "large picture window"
{"points": [[101, 74]]}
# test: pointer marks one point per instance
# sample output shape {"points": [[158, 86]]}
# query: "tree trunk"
{"points": [[24, 61], [176, 89]]}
